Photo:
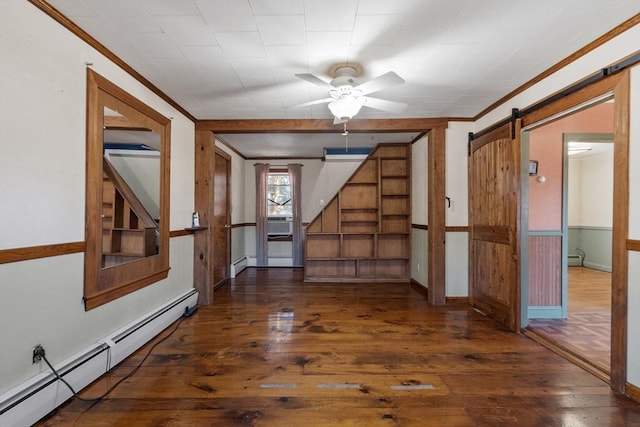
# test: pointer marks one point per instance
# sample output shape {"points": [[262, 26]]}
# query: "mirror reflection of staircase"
{"points": [[364, 232], [128, 230]]}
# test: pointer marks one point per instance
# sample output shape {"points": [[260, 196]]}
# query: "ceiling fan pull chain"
{"points": [[346, 138]]}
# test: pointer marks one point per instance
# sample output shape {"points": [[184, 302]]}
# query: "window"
{"points": [[279, 195]]}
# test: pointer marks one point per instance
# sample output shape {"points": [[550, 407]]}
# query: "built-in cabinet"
{"points": [[364, 232], [128, 231]]}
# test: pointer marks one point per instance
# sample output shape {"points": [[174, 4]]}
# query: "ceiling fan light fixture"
{"points": [[346, 106]]}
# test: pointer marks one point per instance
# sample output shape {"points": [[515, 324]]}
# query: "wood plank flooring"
{"points": [[587, 329], [274, 351]]}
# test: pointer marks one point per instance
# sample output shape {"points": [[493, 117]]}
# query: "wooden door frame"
{"points": [[203, 249], [619, 85], [435, 127]]}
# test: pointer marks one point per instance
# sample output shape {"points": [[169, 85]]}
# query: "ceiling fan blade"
{"points": [[383, 81], [385, 105], [310, 103], [314, 80]]}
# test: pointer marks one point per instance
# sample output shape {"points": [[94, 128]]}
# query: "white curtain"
{"points": [[295, 178], [262, 251]]}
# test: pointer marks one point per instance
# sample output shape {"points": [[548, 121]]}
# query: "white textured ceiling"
{"points": [[236, 59]]}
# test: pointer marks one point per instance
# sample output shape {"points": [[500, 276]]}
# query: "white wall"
{"points": [[456, 183], [419, 181], [633, 309], [591, 180], [456, 173], [42, 185]]}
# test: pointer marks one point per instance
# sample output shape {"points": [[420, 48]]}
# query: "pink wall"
{"points": [[545, 200]]}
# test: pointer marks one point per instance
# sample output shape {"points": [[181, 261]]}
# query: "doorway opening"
{"points": [[569, 249]]}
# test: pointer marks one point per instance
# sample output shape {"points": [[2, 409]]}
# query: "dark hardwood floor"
{"points": [[274, 351]]}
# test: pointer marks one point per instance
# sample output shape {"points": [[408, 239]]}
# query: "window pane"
{"points": [[279, 195]]}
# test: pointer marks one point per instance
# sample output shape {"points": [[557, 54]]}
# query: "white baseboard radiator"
{"points": [[30, 401], [237, 266]]}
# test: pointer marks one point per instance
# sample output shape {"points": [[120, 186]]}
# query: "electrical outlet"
{"points": [[38, 354]]}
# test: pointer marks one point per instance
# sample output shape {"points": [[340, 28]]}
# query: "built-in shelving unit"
{"points": [[128, 231], [364, 232]]}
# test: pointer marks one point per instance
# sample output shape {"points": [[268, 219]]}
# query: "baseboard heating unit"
{"points": [[36, 397], [237, 266]]}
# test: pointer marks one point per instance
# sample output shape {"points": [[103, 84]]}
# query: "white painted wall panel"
{"points": [[457, 264], [633, 309], [419, 181], [596, 191], [456, 173], [42, 185]]}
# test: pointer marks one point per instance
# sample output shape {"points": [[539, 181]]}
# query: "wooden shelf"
{"points": [[364, 232], [194, 229], [361, 183]]}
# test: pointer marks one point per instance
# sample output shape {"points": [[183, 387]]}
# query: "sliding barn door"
{"points": [[494, 222]]}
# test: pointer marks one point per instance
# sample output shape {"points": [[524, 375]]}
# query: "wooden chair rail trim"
{"points": [[54, 249], [447, 229], [179, 233], [41, 251], [457, 229], [633, 245]]}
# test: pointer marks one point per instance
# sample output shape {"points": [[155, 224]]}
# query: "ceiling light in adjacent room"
{"points": [[578, 147]]}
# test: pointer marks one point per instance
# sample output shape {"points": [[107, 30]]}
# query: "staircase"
{"points": [[128, 230]]}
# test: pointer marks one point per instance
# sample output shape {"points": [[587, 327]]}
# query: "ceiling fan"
{"points": [[347, 95]]}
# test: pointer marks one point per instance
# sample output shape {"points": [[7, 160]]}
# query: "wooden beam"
{"points": [[436, 216], [203, 264], [318, 126]]}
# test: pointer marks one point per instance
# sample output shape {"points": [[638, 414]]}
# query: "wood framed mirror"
{"points": [[127, 193]]}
